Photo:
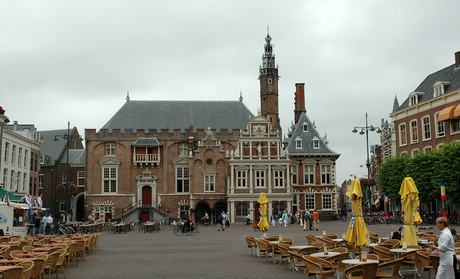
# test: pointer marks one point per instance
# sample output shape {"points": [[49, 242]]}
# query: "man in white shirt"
{"points": [[446, 251], [49, 223]]}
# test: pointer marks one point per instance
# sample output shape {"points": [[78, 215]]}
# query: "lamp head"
{"points": [[372, 128], [55, 138], [354, 130], [362, 132], [378, 131]]}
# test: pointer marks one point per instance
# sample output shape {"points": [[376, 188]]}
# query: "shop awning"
{"points": [[10, 195], [457, 112], [447, 113]]}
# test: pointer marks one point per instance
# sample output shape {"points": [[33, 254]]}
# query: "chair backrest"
{"points": [[287, 240], [373, 257], [340, 250], [394, 264], [273, 238], [28, 265], [327, 241], [284, 249], [249, 240], [414, 247], [39, 264], [383, 253], [27, 248], [409, 257], [374, 239], [367, 270], [297, 259], [262, 244], [14, 253], [12, 273], [308, 250], [320, 245], [61, 258], [53, 258], [434, 261], [425, 259], [310, 238], [331, 235]]}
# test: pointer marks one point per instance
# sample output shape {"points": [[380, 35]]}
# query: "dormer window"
{"points": [[439, 88], [414, 97], [298, 144], [316, 144], [305, 127]]}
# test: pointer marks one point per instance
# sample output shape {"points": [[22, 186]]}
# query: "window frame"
{"points": [[402, 131], [5, 159], [278, 178], [183, 148], [309, 200], [259, 177], [241, 210], [41, 181], [454, 126], [81, 175], [316, 144], [110, 149], [294, 175], [326, 175], [298, 144], [439, 125], [426, 128], [184, 178], [325, 202], [310, 173], [241, 178], [413, 131], [209, 181], [111, 176]]}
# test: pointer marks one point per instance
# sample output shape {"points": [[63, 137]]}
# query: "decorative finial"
{"points": [[258, 111], [268, 28], [127, 96], [241, 96]]}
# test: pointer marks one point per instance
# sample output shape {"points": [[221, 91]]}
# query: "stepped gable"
{"points": [[178, 115]]}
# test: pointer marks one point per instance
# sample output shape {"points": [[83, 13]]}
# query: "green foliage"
{"points": [[427, 170]]}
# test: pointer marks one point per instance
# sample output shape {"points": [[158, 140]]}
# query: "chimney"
{"points": [[15, 125], [299, 100], [457, 59]]}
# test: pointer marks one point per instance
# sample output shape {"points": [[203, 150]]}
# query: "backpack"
{"points": [[219, 218]]}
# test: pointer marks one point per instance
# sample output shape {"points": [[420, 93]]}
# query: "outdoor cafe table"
{"points": [[31, 254], [322, 255], [41, 249], [400, 250], [298, 247], [15, 261], [51, 244], [2, 268], [357, 261]]}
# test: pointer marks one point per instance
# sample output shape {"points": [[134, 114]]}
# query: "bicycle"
{"points": [[205, 222], [178, 230], [246, 222]]}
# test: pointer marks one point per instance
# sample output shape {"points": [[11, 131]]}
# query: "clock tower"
{"points": [[268, 76]]}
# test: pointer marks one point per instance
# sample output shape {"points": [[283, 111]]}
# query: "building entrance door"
{"points": [[145, 216], [146, 195]]}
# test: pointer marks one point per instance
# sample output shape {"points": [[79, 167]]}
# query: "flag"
{"points": [[8, 199], [28, 200], [39, 201]]}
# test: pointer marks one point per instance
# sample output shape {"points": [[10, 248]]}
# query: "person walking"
{"points": [[221, 221], [273, 219], [306, 221], [36, 225], [315, 216], [49, 221], [227, 220], [447, 257], [43, 224], [344, 212], [285, 218]]}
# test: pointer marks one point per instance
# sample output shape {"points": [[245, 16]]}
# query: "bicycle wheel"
{"points": [[177, 230]]}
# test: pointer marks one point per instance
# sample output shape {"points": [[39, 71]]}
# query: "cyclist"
{"points": [[248, 219], [205, 218], [186, 225]]}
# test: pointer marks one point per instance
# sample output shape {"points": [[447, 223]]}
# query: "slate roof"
{"points": [[76, 156], [145, 115], [50, 148], [147, 141], [26, 130], [307, 140], [449, 74]]}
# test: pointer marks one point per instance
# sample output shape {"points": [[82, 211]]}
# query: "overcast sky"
{"points": [[75, 60]]}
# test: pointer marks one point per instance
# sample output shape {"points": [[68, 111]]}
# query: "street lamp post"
{"points": [[365, 130]]}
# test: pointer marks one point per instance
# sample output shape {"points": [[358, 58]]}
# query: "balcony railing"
{"points": [[146, 159]]}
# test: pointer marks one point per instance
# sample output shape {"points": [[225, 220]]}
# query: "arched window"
{"points": [[279, 207], [241, 210]]}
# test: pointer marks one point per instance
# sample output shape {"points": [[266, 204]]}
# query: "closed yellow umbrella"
{"points": [[357, 233], [409, 203], [263, 224]]}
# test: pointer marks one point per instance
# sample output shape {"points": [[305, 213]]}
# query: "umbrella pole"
{"points": [[360, 253]]}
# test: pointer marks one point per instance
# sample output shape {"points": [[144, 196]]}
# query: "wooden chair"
{"points": [[457, 244], [262, 247], [372, 257], [373, 234], [99, 236], [39, 265], [251, 242], [71, 254], [272, 238], [391, 243], [81, 249], [284, 253], [374, 239], [2, 252], [12, 273], [341, 243], [297, 262], [362, 271], [384, 253], [310, 238], [435, 262], [51, 263], [60, 262], [340, 250], [414, 247], [426, 262], [27, 269], [332, 235], [14, 254], [318, 267], [7, 253], [409, 258], [337, 261], [308, 250], [395, 265], [271, 249], [45, 258], [28, 248], [287, 240], [328, 242], [320, 245]]}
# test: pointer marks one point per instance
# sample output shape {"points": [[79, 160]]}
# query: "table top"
{"points": [[337, 239], [372, 244], [15, 261], [41, 249], [7, 267], [322, 255], [274, 242], [31, 254], [357, 261], [400, 250], [298, 247]]}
